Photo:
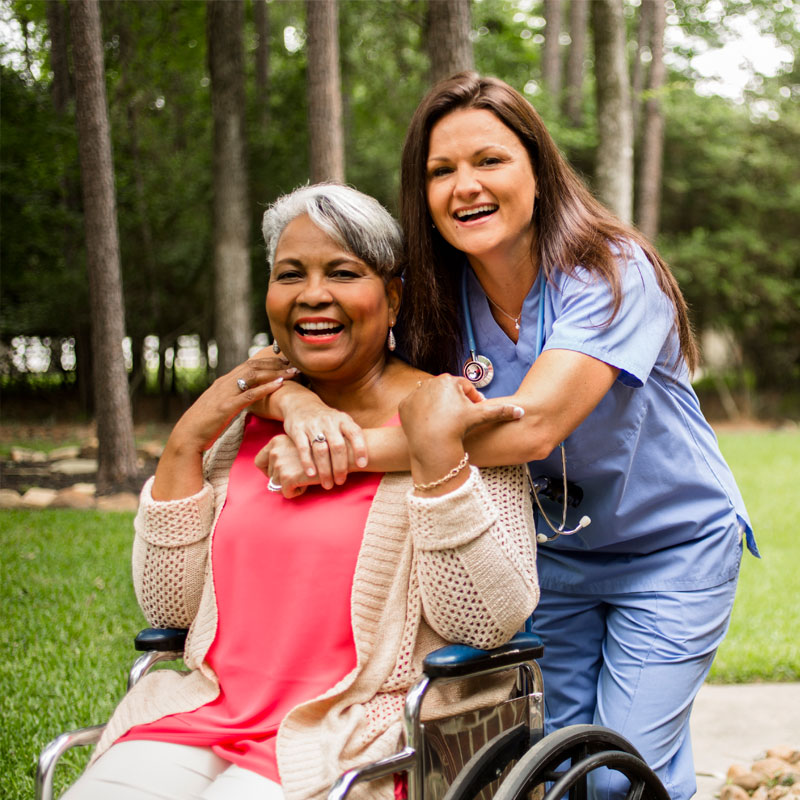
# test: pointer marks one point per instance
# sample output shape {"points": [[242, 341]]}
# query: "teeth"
{"points": [[307, 327], [470, 212]]}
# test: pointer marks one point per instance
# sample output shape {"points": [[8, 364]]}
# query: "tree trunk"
{"points": [[573, 101], [261, 19], [448, 38], [58, 27], [326, 130], [614, 170], [232, 315], [117, 455], [652, 149], [551, 50], [643, 34]]}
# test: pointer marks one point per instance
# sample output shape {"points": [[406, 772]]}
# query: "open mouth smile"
{"points": [[477, 212], [318, 329]]}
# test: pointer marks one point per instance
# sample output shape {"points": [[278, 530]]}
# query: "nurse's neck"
{"points": [[504, 279]]}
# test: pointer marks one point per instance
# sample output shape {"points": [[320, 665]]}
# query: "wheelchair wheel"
{"points": [[566, 758]]}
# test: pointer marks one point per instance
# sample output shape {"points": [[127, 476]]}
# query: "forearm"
{"points": [[278, 405], [468, 548], [488, 447], [170, 551]]}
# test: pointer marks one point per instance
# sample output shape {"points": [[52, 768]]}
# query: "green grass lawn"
{"points": [[763, 642], [66, 643], [70, 613]]}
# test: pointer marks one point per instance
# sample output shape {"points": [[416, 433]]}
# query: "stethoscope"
{"points": [[479, 370]]}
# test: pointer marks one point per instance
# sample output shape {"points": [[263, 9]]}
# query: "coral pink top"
{"points": [[283, 572]]}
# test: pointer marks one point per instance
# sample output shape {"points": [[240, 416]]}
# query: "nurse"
{"points": [[520, 280]]}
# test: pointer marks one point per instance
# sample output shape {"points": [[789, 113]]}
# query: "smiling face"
{"points": [[329, 311], [481, 187]]}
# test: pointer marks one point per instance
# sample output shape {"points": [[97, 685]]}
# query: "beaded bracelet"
{"points": [[424, 487]]}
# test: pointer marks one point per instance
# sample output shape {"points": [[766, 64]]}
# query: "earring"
{"points": [[276, 348], [392, 342]]}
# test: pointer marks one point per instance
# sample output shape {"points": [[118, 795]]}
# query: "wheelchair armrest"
{"points": [[460, 660], [161, 639]]}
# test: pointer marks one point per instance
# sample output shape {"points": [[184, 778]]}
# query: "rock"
{"points": [[768, 769], [73, 498], [75, 466], [776, 792], [38, 497], [759, 794], [743, 777], [60, 453], [732, 792], [785, 753], [89, 450], [84, 488], [122, 501], [24, 454], [10, 498]]}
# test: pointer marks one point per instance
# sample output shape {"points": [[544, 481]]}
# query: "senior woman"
{"points": [[309, 617], [518, 277]]}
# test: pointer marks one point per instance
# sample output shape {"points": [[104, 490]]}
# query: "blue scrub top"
{"points": [[666, 512]]}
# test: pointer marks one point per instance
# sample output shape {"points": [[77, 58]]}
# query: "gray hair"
{"points": [[354, 220]]}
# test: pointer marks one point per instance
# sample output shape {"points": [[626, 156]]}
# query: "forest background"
{"points": [[289, 77]]}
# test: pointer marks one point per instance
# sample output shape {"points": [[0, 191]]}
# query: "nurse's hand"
{"points": [[436, 418]]}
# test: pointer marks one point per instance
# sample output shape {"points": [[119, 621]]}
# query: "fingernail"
{"points": [[519, 411], [362, 462], [278, 380], [293, 370], [310, 472], [481, 395]]}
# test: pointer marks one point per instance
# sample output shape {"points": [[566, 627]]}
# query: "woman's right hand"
{"points": [[324, 437], [436, 418], [179, 473]]}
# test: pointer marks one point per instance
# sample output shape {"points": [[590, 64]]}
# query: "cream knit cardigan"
{"points": [[456, 568]]}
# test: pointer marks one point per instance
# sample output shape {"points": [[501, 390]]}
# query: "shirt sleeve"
{"points": [[633, 340], [475, 560]]}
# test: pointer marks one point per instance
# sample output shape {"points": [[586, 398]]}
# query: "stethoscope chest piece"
{"points": [[478, 370]]}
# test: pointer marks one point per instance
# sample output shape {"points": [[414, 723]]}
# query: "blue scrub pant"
{"points": [[634, 663]]}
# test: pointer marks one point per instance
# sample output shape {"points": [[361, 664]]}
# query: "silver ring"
{"points": [[320, 438], [274, 487], [242, 384]]}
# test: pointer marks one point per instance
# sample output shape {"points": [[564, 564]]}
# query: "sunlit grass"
{"points": [[763, 642]]}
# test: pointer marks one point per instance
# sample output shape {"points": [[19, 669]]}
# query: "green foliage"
{"points": [[730, 197], [730, 205], [762, 641], [44, 285]]}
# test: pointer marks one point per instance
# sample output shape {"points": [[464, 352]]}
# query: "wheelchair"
{"points": [[499, 752]]}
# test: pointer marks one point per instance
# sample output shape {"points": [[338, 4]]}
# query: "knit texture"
{"points": [[430, 571]]}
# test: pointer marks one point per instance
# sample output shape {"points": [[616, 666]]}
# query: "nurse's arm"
{"points": [[558, 393], [560, 390]]}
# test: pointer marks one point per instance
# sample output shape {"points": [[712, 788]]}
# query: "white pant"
{"points": [[144, 770]]}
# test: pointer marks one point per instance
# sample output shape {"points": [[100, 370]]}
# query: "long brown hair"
{"points": [[572, 228]]}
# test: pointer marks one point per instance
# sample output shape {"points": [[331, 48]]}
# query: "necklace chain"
{"points": [[515, 320]]}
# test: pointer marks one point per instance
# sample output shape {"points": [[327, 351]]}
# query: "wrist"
{"points": [[439, 471]]}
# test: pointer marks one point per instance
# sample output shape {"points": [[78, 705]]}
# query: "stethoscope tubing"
{"points": [[477, 358]]}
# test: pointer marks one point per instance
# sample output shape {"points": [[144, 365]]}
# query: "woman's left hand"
{"points": [[280, 462]]}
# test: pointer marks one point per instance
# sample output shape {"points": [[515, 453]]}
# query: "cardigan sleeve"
{"points": [[475, 557], [170, 551]]}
